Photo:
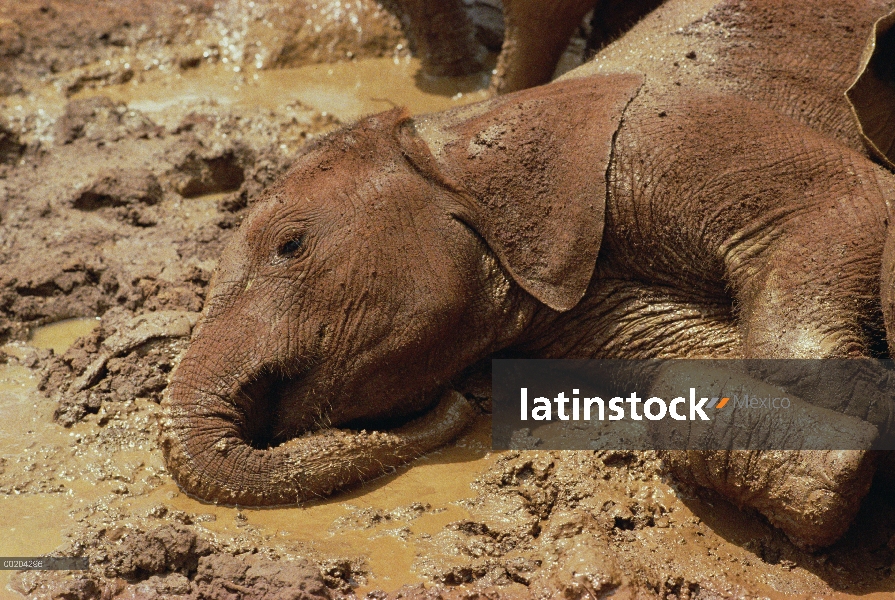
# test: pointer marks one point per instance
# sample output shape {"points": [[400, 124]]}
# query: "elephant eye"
{"points": [[290, 248]]}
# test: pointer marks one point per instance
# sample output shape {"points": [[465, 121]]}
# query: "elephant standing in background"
{"points": [[700, 189], [535, 35]]}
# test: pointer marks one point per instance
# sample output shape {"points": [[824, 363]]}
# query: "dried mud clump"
{"points": [[115, 41], [223, 576], [323, 31], [164, 549], [128, 193], [100, 119], [201, 171], [50, 37], [124, 358], [11, 148], [540, 528], [174, 560], [114, 210], [45, 290]]}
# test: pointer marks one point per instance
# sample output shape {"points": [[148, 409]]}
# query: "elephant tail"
{"points": [[211, 459]]}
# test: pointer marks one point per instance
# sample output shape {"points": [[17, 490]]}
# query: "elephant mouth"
{"points": [[259, 428], [279, 408]]}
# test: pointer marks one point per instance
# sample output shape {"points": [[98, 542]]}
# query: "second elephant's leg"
{"points": [[535, 35], [443, 36]]}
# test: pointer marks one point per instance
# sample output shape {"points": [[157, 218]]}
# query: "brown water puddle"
{"points": [[347, 90], [25, 426], [385, 524], [62, 334]]}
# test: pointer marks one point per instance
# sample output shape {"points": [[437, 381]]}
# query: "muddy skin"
{"points": [[872, 101], [460, 522], [773, 258], [299, 396]]}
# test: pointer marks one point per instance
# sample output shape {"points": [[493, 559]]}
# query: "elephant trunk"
{"points": [[207, 442]]}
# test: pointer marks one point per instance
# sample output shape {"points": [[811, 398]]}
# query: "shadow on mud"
{"points": [[859, 563]]}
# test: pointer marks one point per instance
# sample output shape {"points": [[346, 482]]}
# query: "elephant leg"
{"points": [[790, 227], [443, 37], [812, 495], [804, 301], [535, 35]]}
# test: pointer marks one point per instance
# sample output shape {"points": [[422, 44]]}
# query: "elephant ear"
{"points": [[872, 95], [529, 171]]}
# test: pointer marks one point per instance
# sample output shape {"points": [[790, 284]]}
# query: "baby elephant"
{"points": [[649, 205]]}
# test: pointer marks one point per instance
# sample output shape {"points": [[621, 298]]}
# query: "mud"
{"points": [[133, 136]]}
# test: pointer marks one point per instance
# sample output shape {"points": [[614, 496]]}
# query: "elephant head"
{"points": [[393, 255]]}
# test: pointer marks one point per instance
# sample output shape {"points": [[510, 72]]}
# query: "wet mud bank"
{"points": [[133, 137]]}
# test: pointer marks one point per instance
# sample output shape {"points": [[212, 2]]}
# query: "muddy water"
{"points": [[25, 430], [345, 90], [59, 336], [385, 525]]}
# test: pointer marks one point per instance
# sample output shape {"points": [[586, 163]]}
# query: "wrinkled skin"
{"points": [[651, 204]]}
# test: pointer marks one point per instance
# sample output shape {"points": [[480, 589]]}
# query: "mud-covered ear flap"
{"points": [[872, 95], [530, 174]]}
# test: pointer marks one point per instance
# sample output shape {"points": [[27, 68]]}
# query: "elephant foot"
{"points": [[803, 487], [811, 495]]}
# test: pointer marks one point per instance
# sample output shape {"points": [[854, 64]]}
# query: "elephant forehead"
{"points": [[349, 190], [351, 166], [370, 140], [373, 206]]}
